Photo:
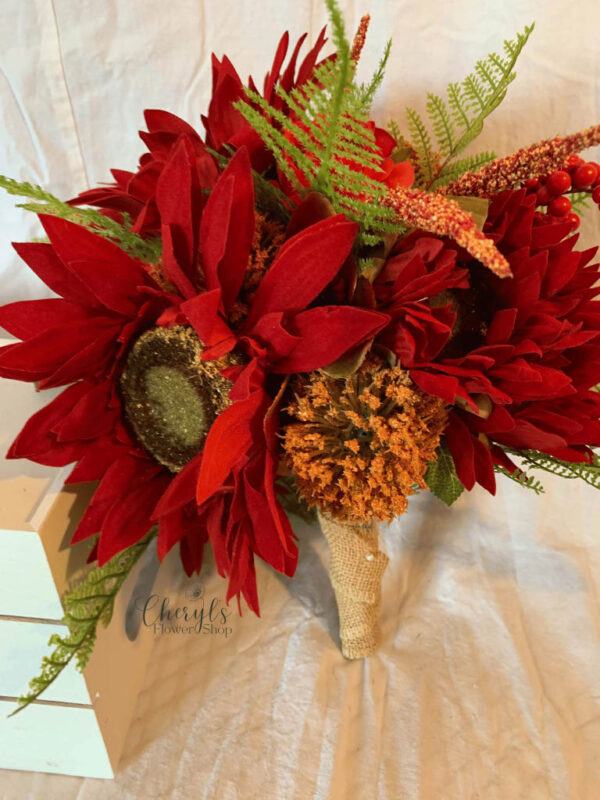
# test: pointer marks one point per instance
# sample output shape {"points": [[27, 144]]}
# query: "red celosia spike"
{"points": [[437, 214], [528, 162], [359, 39]]}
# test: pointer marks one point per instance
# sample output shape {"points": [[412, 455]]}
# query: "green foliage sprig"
{"points": [[324, 144], [522, 478], [585, 471], [580, 201], [148, 250], [457, 121], [88, 605]]}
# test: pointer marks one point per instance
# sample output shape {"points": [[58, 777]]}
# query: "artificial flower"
{"points": [[134, 193]]}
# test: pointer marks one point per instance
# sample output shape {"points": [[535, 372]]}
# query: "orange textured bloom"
{"points": [[360, 446]]}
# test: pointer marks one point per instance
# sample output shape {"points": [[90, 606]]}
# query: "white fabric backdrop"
{"points": [[488, 684]]}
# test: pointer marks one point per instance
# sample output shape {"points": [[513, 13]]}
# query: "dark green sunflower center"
{"points": [[171, 397]]}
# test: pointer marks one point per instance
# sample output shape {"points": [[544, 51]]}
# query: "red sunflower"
{"points": [[80, 339], [278, 331], [174, 371], [134, 193]]}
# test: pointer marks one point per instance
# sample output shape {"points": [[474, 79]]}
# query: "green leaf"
{"points": [[292, 501], [477, 207], [89, 604], [441, 477], [348, 364]]}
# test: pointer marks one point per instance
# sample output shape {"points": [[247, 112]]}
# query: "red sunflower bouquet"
{"points": [[297, 308]]}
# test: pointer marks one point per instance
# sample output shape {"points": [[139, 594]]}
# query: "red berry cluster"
{"points": [[577, 176]]}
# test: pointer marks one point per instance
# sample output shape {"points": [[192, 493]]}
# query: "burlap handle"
{"points": [[356, 568]]}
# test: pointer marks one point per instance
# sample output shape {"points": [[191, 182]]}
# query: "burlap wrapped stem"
{"points": [[356, 568]]}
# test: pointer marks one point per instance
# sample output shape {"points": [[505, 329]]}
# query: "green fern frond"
{"points": [[522, 478], [481, 93], [324, 143], [345, 70], [148, 250], [462, 165], [580, 201], [421, 141], [88, 605], [368, 92], [394, 129], [459, 119], [585, 471], [442, 124]]}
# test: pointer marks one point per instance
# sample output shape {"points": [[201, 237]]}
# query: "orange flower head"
{"points": [[360, 446]]}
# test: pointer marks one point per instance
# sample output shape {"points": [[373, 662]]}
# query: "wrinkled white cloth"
{"points": [[487, 684]]}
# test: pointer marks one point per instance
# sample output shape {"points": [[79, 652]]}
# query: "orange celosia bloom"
{"points": [[432, 212], [360, 447]]}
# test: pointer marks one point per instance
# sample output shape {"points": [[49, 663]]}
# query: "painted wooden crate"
{"points": [[80, 725]]}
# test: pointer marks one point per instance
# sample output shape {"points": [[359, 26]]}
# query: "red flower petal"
{"points": [[128, 519], [282, 523], [38, 443], [484, 465], [227, 443], [202, 312], [90, 418], [326, 333], [227, 228], [304, 266], [42, 260], [114, 488], [40, 357], [102, 266], [401, 175], [460, 443], [97, 458], [32, 317], [179, 201], [171, 267], [181, 490], [158, 120]]}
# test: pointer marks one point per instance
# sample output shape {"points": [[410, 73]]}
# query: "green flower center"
{"points": [[170, 396]]}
